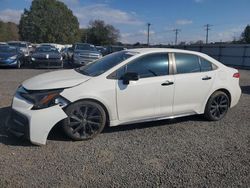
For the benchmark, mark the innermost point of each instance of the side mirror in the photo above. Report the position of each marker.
(129, 76)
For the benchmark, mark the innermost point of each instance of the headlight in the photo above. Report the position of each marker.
(45, 99)
(13, 57)
(33, 59)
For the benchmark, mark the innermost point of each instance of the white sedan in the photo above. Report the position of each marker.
(126, 87)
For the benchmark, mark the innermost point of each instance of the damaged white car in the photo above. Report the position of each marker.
(126, 87)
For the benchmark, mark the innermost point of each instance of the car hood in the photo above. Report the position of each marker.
(55, 80)
(7, 55)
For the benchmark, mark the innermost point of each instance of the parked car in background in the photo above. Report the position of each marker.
(59, 47)
(24, 47)
(102, 50)
(67, 53)
(125, 87)
(46, 56)
(112, 49)
(46, 45)
(3, 43)
(84, 53)
(10, 56)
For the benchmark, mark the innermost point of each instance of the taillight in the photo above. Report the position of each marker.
(236, 75)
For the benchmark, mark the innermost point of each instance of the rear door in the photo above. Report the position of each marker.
(193, 80)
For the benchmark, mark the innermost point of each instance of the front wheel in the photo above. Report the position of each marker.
(85, 120)
(217, 106)
(18, 64)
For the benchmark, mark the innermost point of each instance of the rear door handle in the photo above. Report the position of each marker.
(207, 78)
(167, 83)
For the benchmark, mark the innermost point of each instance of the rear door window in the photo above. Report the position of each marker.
(187, 63)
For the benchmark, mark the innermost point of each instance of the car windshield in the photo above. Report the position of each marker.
(85, 47)
(17, 44)
(7, 49)
(104, 64)
(46, 49)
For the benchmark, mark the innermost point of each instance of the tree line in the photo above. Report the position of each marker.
(51, 21)
(8, 31)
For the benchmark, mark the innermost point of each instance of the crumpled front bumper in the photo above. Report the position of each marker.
(33, 124)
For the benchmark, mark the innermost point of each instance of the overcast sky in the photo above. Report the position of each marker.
(228, 17)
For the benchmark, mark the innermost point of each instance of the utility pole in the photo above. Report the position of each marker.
(207, 28)
(176, 35)
(148, 32)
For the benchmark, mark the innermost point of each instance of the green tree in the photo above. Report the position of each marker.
(100, 33)
(49, 21)
(8, 31)
(246, 34)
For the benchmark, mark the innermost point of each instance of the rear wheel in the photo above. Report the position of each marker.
(217, 106)
(85, 120)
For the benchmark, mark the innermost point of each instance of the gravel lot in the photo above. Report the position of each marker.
(185, 152)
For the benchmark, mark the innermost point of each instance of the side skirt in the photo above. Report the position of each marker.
(117, 122)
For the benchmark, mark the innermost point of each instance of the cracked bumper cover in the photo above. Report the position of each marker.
(38, 123)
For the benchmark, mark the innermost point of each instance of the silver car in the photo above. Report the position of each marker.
(84, 54)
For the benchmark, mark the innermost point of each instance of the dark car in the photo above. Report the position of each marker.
(46, 56)
(10, 56)
(84, 53)
(67, 53)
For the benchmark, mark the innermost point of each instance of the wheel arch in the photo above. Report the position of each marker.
(224, 90)
(227, 92)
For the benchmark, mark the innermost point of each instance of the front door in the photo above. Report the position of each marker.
(149, 97)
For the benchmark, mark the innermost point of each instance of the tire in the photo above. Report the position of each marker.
(86, 119)
(18, 65)
(217, 106)
(62, 65)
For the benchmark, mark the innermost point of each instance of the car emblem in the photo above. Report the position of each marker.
(47, 56)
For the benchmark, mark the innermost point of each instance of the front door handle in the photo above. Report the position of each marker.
(167, 83)
(207, 78)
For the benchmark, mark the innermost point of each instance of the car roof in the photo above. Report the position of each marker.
(150, 50)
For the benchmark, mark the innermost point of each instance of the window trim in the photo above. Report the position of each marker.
(113, 75)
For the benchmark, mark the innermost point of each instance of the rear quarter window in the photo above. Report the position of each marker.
(206, 65)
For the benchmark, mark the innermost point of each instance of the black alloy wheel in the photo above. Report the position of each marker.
(85, 120)
(217, 106)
